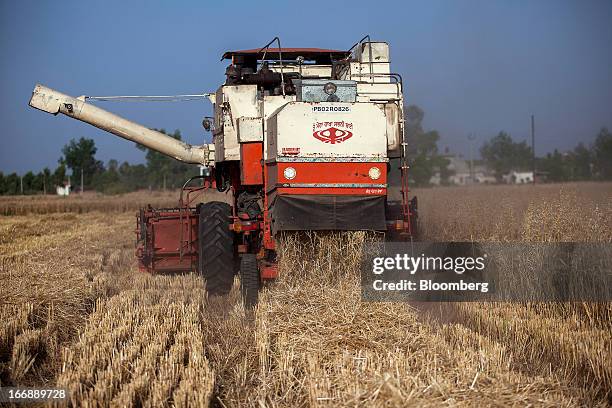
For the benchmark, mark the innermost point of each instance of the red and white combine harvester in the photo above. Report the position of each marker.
(302, 137)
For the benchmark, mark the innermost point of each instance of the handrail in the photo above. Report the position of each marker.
(369, 50)
(185, 207)
(359, 42)
(280, 59)
(397, 77)
(184, 188)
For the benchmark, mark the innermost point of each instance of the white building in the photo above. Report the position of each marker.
(518, 177)
(63, 190)
(461, 175)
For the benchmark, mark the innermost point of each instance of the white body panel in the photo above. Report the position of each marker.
(271, 105)
(232, 102)
(366, 72)
(287, 127)
(379, 92)
(291, 132)
(393, 118)
(379, 50)
(250, 130)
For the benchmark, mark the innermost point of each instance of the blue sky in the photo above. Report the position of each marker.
(473, 66)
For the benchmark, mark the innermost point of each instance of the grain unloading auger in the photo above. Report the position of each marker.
(303, 138)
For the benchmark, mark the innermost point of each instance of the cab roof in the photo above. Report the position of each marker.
(320, 55)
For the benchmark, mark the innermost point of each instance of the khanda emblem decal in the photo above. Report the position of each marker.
(332, 132)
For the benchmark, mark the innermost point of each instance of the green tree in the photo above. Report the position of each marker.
(47, 180)
(582, 163)
(11, 184)
(59, 175)
(134, 177)
(165, 171)
(80, 156)
(502, 154)
(29, 183)
(556, 166)
(38, 183)
(109, 181)
(422, 149)
(602, 152)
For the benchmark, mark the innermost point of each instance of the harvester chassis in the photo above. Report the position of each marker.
(217, 241)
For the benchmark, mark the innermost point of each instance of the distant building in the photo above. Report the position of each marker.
(460, 174)
(518, 177)
(64, 189)
(483, 176)
(459, 170)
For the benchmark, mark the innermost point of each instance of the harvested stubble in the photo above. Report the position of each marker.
(142, 347)
(311, 341)
(571, 341)
(579, 352)
(317, 344)
(52, 268)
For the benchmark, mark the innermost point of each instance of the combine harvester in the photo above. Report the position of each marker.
(302, 137)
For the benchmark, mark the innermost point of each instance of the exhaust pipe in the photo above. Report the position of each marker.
(54, 102)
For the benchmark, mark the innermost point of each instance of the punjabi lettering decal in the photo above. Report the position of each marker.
(332, 132)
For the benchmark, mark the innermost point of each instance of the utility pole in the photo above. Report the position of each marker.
(21, 183)
(82, 180)
(533, 148)
(471, 138)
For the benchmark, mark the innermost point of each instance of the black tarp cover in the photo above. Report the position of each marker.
(328, 212)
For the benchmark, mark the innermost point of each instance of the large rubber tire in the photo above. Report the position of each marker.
(249, 280)
(216, 247)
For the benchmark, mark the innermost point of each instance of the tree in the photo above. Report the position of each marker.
(602, 152)
(80, 156)
(134, 177)
(59, 175)
(12, 184)
(422, 149)
(582, 161)
(47, 182)
(503, 155)
(29, 183)
(109, 181)
(164, 171)
(556, 166)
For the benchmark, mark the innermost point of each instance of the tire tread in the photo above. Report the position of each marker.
(216, 245)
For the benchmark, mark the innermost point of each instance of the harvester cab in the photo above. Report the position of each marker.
(303, 138)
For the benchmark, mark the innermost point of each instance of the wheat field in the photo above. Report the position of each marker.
(75, 313)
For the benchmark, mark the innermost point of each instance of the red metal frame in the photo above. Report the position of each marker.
(161, 247)
(167, 238)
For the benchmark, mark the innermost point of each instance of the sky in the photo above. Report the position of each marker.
(474, 67)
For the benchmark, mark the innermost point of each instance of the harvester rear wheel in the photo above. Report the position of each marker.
(216, 247)
(249, 280)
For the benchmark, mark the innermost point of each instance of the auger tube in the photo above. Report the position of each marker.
(54, 102)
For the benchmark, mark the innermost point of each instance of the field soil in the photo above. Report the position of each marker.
(76, 313)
